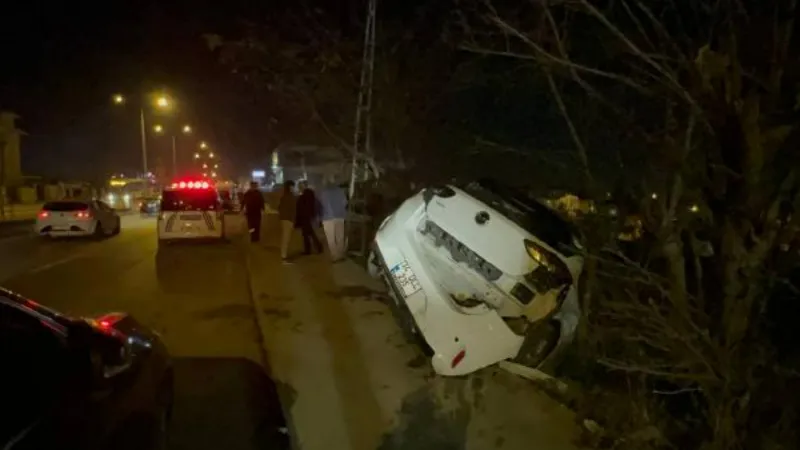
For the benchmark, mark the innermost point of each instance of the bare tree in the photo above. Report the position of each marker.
(708, 105)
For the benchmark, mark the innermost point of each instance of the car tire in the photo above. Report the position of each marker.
(541, 339)
(117, 227)
(98, 231)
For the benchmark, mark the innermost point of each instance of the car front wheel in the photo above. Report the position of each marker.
(540, 341)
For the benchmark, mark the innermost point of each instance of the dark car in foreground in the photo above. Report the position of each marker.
(80, 383)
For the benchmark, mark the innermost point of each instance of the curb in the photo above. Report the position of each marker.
(255, 302)
(555, 388)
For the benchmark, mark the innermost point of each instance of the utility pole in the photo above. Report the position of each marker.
(363, 160)
(362, 137)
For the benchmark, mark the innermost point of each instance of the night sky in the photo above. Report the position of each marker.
(63, 61)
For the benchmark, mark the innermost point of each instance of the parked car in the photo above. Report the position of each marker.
(81, 383)
(481, 273)
(71, 218)
(149, 206)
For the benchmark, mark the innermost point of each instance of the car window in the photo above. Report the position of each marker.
(189, 200)
(32, 356)
(66, 206)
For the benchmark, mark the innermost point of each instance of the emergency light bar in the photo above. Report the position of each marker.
(191, 185)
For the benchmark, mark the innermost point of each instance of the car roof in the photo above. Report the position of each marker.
(33, 308)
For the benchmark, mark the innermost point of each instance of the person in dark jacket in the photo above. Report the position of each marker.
(307, 217)
(287, 213)
(253, 207)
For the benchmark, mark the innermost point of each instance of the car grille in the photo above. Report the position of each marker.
(460, 252)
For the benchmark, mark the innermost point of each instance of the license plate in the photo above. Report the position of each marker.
(405, 279)
(191, 217)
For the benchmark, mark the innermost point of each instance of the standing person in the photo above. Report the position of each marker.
(334, 211)
(287, 211)
(253, 207)
(306, 218)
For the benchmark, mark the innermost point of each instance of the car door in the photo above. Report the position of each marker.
(33, 346)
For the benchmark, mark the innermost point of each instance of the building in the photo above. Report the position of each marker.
(10, 159)
(309, 162)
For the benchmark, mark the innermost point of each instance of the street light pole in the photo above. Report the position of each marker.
(144, 140)
(174, 158)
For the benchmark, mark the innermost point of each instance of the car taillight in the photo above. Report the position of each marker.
(44, 214)
(83, 215)
(458, 358)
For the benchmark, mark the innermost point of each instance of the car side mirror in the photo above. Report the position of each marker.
(102, 353)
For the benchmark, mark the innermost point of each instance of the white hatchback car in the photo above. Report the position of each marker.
(69, 218)
(479, 274)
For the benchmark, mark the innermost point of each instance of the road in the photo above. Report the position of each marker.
(229, 313)
(197, 297)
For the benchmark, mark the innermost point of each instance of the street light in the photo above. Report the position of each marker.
(210, 155)
(205, 166)
(197, 156)
(216, 166)
(159, 101)
(187, 129)
(213, 174)
(203, 145)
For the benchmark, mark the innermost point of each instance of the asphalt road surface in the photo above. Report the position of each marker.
(346, 377)
(196, 296)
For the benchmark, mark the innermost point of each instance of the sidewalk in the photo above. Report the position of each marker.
(353, 381)
(17, 212)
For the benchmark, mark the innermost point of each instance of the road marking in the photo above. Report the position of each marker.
(55, 263)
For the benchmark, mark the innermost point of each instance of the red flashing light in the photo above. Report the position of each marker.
(191, 185)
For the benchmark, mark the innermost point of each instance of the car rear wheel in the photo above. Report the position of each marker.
(98, 230)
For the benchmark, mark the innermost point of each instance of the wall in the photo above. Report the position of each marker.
(10, 166)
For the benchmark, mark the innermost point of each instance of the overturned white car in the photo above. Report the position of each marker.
(479, 274)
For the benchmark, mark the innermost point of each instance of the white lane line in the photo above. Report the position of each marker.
(55, 263)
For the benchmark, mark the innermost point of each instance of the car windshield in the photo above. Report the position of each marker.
(189, 200)
(66, 206)
(533, 216)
